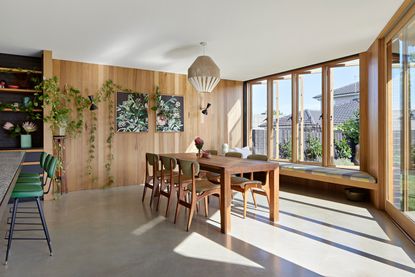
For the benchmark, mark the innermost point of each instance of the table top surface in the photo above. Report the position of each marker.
(233, 165)
(9, 165)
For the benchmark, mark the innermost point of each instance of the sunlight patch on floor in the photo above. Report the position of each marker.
(200, 247)
(148, 226)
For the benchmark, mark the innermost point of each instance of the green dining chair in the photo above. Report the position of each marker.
(28, 190)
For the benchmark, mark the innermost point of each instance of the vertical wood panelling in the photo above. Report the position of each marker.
(223, 124)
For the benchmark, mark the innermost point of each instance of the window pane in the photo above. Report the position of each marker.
(259, 117)
(345, 90)
(282, 118)
(401, 66)
(309, 116)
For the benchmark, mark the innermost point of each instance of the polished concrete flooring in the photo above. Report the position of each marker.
(111, 233)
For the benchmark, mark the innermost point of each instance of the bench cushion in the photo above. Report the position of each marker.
(347, 174)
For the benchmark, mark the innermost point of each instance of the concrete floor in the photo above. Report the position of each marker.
(111, 233)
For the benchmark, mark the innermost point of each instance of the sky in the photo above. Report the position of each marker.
(312, 87)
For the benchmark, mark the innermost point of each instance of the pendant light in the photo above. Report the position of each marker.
(204, 74)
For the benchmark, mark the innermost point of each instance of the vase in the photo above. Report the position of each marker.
(26, 141)
(225, 148)
(59, 131)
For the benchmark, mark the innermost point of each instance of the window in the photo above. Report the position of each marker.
(310, 116)
(401, 77)
(344, 107)
(324, 126)
(259, 117)
(282, 118)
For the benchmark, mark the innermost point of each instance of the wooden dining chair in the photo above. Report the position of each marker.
(262, 177)
(198, 188)
(215, 177)
(168, 179)
(151, 180)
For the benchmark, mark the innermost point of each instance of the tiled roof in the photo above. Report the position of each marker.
(352, 88)
(342, 113)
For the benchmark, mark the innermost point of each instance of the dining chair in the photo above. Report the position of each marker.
(262, 177)
(198, 188)
(215, 177)
(168, 179)
(151, 180)
(212, 152)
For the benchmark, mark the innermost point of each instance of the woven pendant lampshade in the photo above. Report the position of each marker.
(204, 74)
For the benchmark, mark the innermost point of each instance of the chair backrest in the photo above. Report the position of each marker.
(213, 152)
(42, 161)
(152, 159)
(189, 168)
(258, 157)
(51, 167)
(259, 176)
(168, 163)
(233, 154)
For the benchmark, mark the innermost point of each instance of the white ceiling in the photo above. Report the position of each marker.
(246, 38)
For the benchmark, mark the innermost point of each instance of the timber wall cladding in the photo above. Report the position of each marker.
(223, 123)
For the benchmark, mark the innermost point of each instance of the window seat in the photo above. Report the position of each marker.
(346, 177)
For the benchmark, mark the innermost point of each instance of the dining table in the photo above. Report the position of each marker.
(226, 167)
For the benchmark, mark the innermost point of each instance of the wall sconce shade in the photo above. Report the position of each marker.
(93, 107)
(205, 110)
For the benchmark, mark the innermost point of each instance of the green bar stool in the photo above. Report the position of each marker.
(42, 161)
(45, 159)
(23, 192)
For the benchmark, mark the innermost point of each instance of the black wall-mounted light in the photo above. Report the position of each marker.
(205, 110)
(93, 107)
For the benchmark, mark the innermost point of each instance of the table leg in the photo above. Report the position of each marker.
(225, 202)
(274, 187)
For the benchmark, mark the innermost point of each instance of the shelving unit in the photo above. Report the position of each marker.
(21, 71)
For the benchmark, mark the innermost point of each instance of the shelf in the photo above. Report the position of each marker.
(23, 150)
(19, 70)
(30, 163)
(19, 90)
(18, 110)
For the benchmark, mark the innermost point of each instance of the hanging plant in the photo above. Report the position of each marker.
(59, 106)
(157, 99)
(91, 146)
(107, 93)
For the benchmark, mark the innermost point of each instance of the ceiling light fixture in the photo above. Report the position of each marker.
(204, 74)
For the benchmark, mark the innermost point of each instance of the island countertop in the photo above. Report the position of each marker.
(9, 168)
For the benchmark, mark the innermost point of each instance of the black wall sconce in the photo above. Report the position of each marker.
(205, 110)
(93, 107)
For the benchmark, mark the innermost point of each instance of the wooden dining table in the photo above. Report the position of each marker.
(226, 167)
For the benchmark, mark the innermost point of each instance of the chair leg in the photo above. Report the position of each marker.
(206, 206)
(153, 191)
(45, 226)
(144, 193)
(179, 196)
(168, 200)
(13, 221)
(253, 197)
(245, 202)
(191, 212)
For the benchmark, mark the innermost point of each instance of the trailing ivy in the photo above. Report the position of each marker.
(106, 93)
(91, 146)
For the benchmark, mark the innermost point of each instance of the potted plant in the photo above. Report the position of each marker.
(199, 145)
(16, 130)
(59, 105)
(26, 139)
